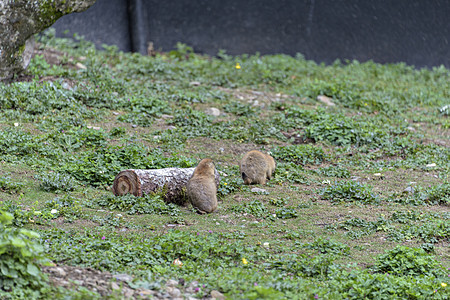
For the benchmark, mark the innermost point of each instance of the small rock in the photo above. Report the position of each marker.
(115, 286)
(171, 282)
(134, 126)
(410, 128)
(431, 165)
(78, 282)
(64, 283)
(355, 178)
(171, 127)
(194, 83)
(93, 127)
(409, 189)
(326, 100)
(115, 113)
(221, 150)
(16, 124)
(123, 277)
(127, 292)
(258, 190)
(175, 293)
(165, 117)
(217, 295)
(145, 292)
(255, 103)
(80, 66)
(60, 272)
(212, 111)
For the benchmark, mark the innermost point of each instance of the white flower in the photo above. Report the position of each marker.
(54, 211)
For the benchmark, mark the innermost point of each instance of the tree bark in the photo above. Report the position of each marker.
(171, 181)
(20, 20)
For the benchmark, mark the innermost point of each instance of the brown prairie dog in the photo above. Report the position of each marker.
(256, 167)
(201, 188)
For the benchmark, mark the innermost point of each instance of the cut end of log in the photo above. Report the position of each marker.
(127, 182)
(171, 182)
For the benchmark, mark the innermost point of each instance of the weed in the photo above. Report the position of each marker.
(9, 186)
(406, 261)
(254, 207)
(54, 182)
(350, 191)
(328, 246)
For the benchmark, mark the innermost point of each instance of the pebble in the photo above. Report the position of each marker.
(175, 293)
(326, 100)
(258, 190)
(115, 286)
(212, 111)
(171, 282)
(60, 271)
(431, 165)
(217, 295)
(123, 277)
(409, 189)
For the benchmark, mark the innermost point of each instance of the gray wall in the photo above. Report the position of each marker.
(413, 31)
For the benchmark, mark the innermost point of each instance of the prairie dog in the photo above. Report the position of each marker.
(256, 167)
(201, 188)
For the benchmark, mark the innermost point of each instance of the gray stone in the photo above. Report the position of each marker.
(217, 295)
(115, 286)
(258, 190)
(60, 272)
(409, 190)
(123, 277)
(20, 20)
(171, 282)
(127, 293)
(326, 100)
(212, 111)
(175, 293)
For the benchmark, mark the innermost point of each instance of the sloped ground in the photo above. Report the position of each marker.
(353, 180)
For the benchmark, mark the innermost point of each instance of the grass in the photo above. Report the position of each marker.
(336, 204)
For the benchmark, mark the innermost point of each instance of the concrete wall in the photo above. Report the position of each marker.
(413, 31)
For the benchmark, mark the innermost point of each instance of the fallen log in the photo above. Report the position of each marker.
(171, 181)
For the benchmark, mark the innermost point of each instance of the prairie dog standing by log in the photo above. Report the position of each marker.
(256, 167)
(201, 188)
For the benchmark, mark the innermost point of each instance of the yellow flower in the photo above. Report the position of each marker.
(224, 183)
(238, 66)
(443, 284)
(244, 261)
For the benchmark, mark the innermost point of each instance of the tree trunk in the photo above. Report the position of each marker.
(20, 20)
(172, 181)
